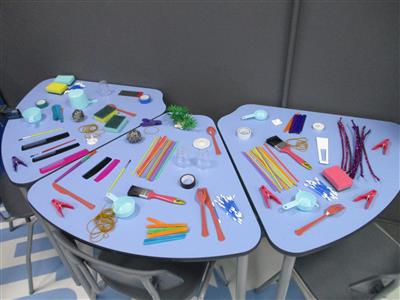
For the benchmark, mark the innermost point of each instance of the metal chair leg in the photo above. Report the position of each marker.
(30, 225)
(206, 280)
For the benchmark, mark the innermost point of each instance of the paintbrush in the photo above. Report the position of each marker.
(282, 146)
(137, 191)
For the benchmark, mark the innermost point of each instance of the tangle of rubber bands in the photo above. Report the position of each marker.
(101, 225)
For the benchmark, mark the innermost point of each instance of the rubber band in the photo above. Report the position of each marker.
(151, 130)
(300, 143)
(103, 223)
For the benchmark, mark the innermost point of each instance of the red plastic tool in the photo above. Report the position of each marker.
(59, 205)
(267, 195)
(369, 196)
(384, 145)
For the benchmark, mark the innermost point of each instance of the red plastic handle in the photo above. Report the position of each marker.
(162, 197)
(301, 230)
(297, 158)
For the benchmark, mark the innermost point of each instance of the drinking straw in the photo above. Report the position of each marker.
(275, 168)
(257, 155)
(283, 165)
(118, 176)
(158, 159)
(145, 154)
(266, 165)
(289, 179)
(152, 154)
(162, 159)
(261, 172)
(167, 159)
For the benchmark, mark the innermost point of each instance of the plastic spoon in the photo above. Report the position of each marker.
(259, 114)
(201, 197)
(212, 131)
(330, 211)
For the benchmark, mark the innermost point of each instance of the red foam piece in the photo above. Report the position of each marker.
(338, 178)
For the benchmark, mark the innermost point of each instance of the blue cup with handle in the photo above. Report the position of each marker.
(32, 115)
(78, 99)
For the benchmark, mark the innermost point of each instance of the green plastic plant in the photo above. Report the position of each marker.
(181, 117)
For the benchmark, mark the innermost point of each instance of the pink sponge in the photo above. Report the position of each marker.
(338, 178)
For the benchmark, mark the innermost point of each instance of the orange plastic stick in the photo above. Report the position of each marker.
(167, 232)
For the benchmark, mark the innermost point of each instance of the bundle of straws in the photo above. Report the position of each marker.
(276, 174)
(160, 232)
(156, 158)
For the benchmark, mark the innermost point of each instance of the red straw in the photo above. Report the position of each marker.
(291, 174)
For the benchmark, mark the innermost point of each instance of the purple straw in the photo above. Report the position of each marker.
(259, 171)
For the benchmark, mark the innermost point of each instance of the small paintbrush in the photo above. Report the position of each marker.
(137, 191)
(282, 146)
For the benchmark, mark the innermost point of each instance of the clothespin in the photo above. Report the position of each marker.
(369, 196)
(384, 145)
(148, 122)
(59, 205)
(160, 224)
(267, 195)
(16, 161)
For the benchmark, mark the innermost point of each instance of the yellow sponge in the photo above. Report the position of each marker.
(56, 88)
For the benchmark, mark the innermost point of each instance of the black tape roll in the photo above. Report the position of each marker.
(188, 181)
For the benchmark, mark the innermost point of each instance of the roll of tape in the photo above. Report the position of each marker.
(201, 143)
(144, 99)
(42, 103)
(243, 133)
(318, 126)
(188, 181)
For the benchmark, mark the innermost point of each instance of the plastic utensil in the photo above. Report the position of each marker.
(64, 191)
(124, 206)
(214, 216)
(212, 131)
(202, 198)
(259, 114)
(330, 211)
(304, 201)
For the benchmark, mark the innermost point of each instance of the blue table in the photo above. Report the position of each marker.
(279, 226)
(16, 129)
(129, 233)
